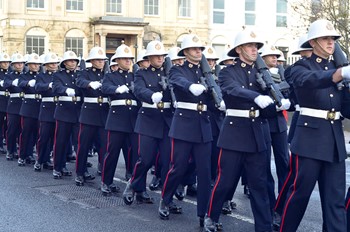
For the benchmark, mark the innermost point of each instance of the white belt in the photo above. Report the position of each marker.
(297, 107)
(70, 99)
(160, 105)
(32, 96)
(243, 113)
(191, 106)
(325, 114)
(16, 94)
(124, 102)
(95, 100)
(48, 99)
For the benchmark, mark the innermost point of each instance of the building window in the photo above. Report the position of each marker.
(219, 11)
(76, 5)
(34, 4)
(114, 6)
(151, 7)
(75, 44)
(35, 44)
(185, 8)
(249, 12)
(281, 13)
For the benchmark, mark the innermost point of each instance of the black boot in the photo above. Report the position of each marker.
(128, 194)
(163, 210)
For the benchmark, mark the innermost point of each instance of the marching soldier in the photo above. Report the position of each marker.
(29, 111)
(141, 60)
(121, 116)
(43, 86)
(190, 130)
(319, 158)
(93, 114)
(225, 59)
(4, 97)
(14, 105)
(152, 124)
(244, 137)
(67, 111)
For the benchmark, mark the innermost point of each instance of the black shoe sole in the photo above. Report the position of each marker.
(57, 177)
(180, 198)
(163, 217)
(127, 202)
(9, 159)
(106, 194)
(37, 169)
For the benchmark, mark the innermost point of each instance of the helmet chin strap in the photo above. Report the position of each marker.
(323, 48)
(248, 56)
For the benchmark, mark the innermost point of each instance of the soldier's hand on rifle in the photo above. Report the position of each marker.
(345, 73)
(15, 82)
(197, 89)
(95, 84)
(70, 92)
(157, 97)
(2, 83)
(31, 83)
(263, 101)
(285, 105)
(222, 106)
(50, 85)
(122, 89)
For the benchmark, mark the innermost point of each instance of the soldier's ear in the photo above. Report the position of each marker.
(238, 49)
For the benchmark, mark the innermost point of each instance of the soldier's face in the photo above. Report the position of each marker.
(248, 52)
(34, 67)
(270, 61)
(70, 64)
(228, 62)
(179, 61)
(4, 65)
(144, 64)
(124, 63)
(98, 63)
(306, 53)
(211, 63)
(193, 55)
(114, 67)
(51, 66)
(156, 61)
(323, 46)
(18, 66)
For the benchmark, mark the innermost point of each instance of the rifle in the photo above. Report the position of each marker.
(217, 70)
(135, 68)
(340, 61)
(209, 82)
(164, 80)
(283, 86)
(106, 68)
(264, 75)
(82, 63)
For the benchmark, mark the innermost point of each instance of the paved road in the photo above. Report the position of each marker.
(31, 201)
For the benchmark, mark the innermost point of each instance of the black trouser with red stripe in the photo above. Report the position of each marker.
(28, 136)
(87, 134)
(3, 127)
(230, 168)
(148, 150)
(115, 142)
(13, 132)
(331, 181)
(45, 141)
(181, 152)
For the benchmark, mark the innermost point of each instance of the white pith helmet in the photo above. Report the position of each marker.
(96, 53)
(4, 57)
(190, 41)
(281, 57)
(33, 59)
(225, 57)
(17, 58)
(69, 55)
(140, 55)
(302, 40)
(51, 58)
(244, 37)
(320, 28)
(123, 51)
(269, 50)
(210, 53)
(154, 48)
(172, 54)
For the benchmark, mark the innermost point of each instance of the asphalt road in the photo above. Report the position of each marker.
(32, 201)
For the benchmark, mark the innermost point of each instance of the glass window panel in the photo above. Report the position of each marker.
(219, 4)
(250, 5)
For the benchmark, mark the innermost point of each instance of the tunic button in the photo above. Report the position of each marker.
(113, 111)
(231, 123)
(326, 68)
(252, 108)
(142, 112)
(180, 113)
(305, 124)
(331, 95)
(248, 72)
(250, 84)
(243, 87)
(332, 122)
(253, 120)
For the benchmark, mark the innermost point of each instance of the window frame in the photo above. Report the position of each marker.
(77, 1)
(250, 12)
(111, 3)
(281, 14)
(184, 6)
(78, 51)
(220, 11)
(32, 2)
(148, 7)
(38, 49)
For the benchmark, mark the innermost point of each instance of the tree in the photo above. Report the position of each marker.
(336, 11)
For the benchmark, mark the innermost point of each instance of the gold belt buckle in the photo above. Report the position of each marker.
(100, 99)
(128, 102)
(55, 98)
(200, 107)
(21, 94)
(37, 96)
(7, 93)
(252, 114)
(160, 105)
(74, 98)
(330, 115)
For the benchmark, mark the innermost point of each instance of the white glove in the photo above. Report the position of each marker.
(263, 101)
(2, 83)
(15, 82)
(197, 89)
(31, 83)
(70, 92)
(50, 85)
(157, 97)
(122, 89)
(95, 84)
(285, 105)
(222, 106)
(345, 73)
(273, 70)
